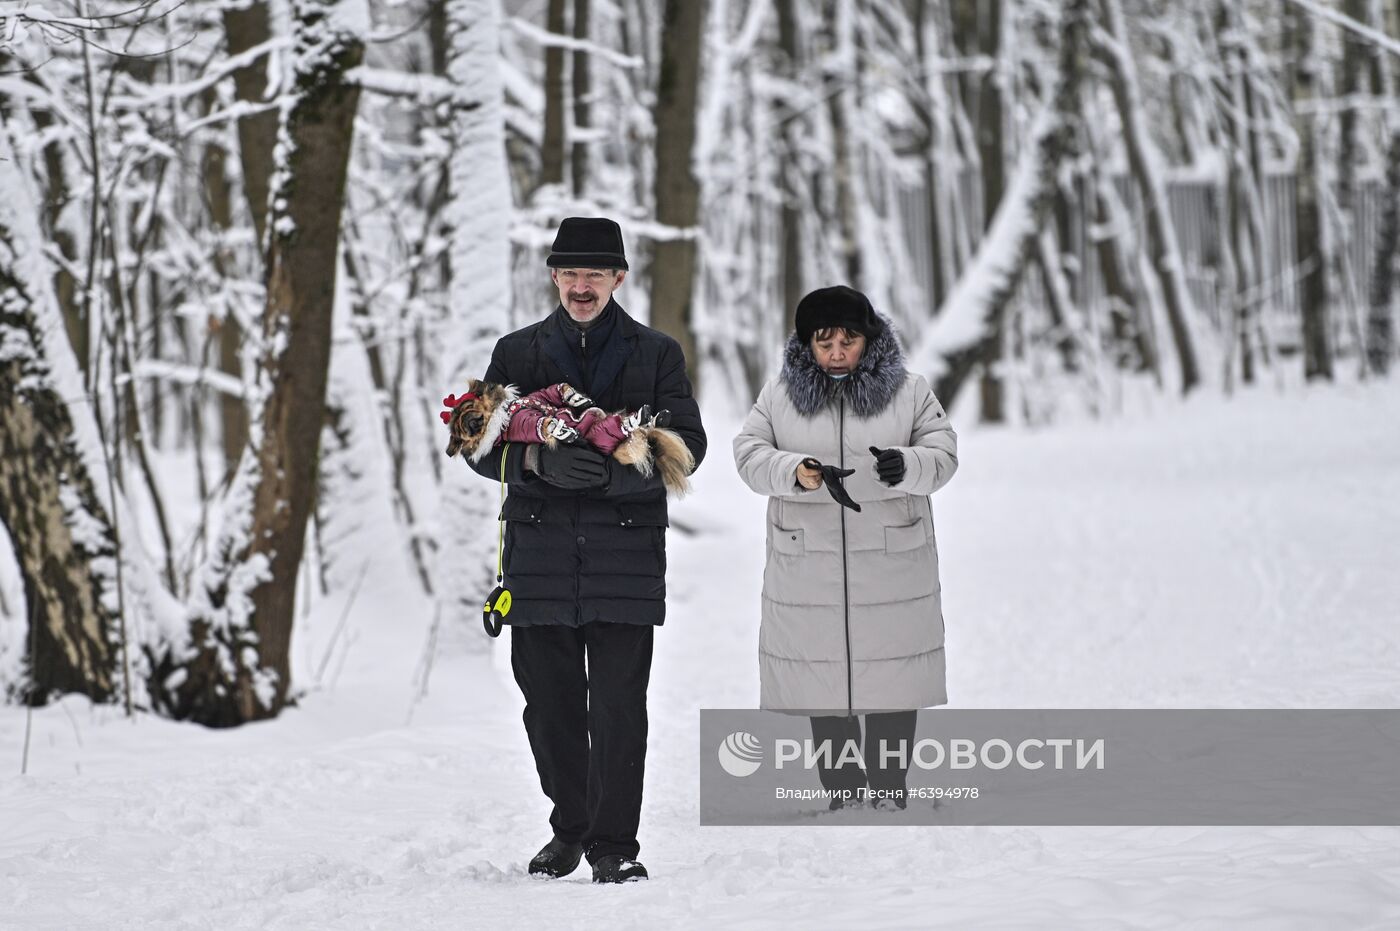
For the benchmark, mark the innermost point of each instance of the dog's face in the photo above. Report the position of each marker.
(469, 419)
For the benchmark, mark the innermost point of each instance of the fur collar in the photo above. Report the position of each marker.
(868, 389)
(496, 425)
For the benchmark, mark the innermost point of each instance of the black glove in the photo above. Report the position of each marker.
(889, 463)
(831, 478)
(573, 467)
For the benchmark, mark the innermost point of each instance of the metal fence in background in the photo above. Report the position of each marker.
(1196, 208)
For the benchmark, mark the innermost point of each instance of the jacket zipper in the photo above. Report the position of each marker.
(845, 572)
(578, 528)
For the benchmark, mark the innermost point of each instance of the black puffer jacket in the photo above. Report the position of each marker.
(572, 557)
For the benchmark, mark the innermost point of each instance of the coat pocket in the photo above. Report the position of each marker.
(789, 541)
(908, 537)
(524, 509)
(642, 514)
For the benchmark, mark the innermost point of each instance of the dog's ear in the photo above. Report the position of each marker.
(474, 386)
(454, 446)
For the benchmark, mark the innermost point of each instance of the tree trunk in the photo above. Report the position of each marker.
(478, 211)
(790, 68)
(55, 200)
(64, 541)
(1145, 161)
(677, 188)
(838, 77)
(552, 144)
(581, 101)
(980, 25)
(1380, 336)
(1380, 318)
(233, 414)
(1242, 239)
(1311, 255)
(1356, 53)
(926, 50)
(1132, 335)
(238, 668)
(245, 26)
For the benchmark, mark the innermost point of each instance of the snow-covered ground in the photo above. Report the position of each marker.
(1202, 554)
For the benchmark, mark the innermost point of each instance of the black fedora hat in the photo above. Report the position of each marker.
(587, 242)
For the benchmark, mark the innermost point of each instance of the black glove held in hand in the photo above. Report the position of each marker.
(889, 463)
(573, 467)
(831, 478)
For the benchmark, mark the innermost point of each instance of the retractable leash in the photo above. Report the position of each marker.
(498, 602)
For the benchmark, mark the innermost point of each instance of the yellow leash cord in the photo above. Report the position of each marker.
(498, 602)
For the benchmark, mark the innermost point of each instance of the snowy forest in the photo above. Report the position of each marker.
(246, 247)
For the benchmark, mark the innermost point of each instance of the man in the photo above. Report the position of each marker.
(585, 554)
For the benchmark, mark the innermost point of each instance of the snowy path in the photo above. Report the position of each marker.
(1235, 554)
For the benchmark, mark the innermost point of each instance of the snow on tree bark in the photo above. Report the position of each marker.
(479, 215)
(55, 492)
(246, 26)
(234, 665)
(1111, 45)
(1311, 255)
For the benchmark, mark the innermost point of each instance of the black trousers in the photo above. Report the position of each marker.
(587, 724)
(883, 775)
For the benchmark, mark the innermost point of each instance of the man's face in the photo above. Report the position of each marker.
(584, 292)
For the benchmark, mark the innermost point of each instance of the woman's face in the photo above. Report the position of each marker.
(837, 351)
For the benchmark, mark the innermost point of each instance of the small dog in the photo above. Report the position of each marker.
(489, 414)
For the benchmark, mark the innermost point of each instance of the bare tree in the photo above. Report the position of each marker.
(1111, 46)
(236, 665)
(1311, 256)
(66, 543)
(976, 306)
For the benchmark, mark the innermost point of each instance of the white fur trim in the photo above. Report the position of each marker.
(496, 425)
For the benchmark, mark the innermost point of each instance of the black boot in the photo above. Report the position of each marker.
(556, 858)
(615, 868)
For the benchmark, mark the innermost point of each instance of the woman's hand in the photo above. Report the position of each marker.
(889, 465)
(809, 478)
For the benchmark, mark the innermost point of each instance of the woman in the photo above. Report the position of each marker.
(852, 619)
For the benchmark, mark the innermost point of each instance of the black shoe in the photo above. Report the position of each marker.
(887, 803)
(615, 868)
(557, 858)
(662, 419)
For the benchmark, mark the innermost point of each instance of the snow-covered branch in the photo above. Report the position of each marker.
(550, 39)
(427, 89)
(1346, 22)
